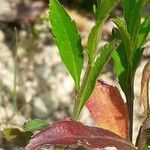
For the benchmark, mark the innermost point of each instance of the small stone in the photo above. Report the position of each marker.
(86, 118)
(146, 52)
(45, 104)
(8, 10)
(2, 37)
(3, 113)
(19, 120)
(39, 108)
(68, 84)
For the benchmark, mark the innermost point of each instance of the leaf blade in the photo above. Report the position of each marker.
(67, 39)
(35, 125)
(121, 66)
(124, 34)
(75, 133)
(136, 18)
(127, 8)
(136, 59)
(104, 7)
(143, 33)
(93, 40)
(99, 64)
(108, 109)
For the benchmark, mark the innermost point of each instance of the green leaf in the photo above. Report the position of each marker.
(104, 7)
(127, 9)
(143, 33)
(67, 39)
(98, 67)
(136, 18)
(94, 10)
(116, 34)
(93, 40)
(121, 65)
(124, 34)
(136, 59)
(35, 125)
(16, 136)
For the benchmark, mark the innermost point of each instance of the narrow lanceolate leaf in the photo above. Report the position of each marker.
(136, 18)
(116, 34)
(93, 40)
(137, 58)
(35, 125)
(143, 33)
(108, 109)
(104, 7)
(145, 87)
(67, 39)
(127, 9)
(121, 66)
(124, 34)
(100, 63)
(71, 133)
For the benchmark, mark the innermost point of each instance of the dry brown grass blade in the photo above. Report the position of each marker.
(145, 87)
(144, 134)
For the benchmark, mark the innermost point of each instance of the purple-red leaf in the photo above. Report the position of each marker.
(71, 133)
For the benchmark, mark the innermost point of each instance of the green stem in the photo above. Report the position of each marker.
(80, 93)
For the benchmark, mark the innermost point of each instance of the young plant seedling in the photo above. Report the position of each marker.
(67, 38)
(126, 49)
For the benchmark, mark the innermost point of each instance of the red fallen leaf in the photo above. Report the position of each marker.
(72, 133)
(108, 109)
